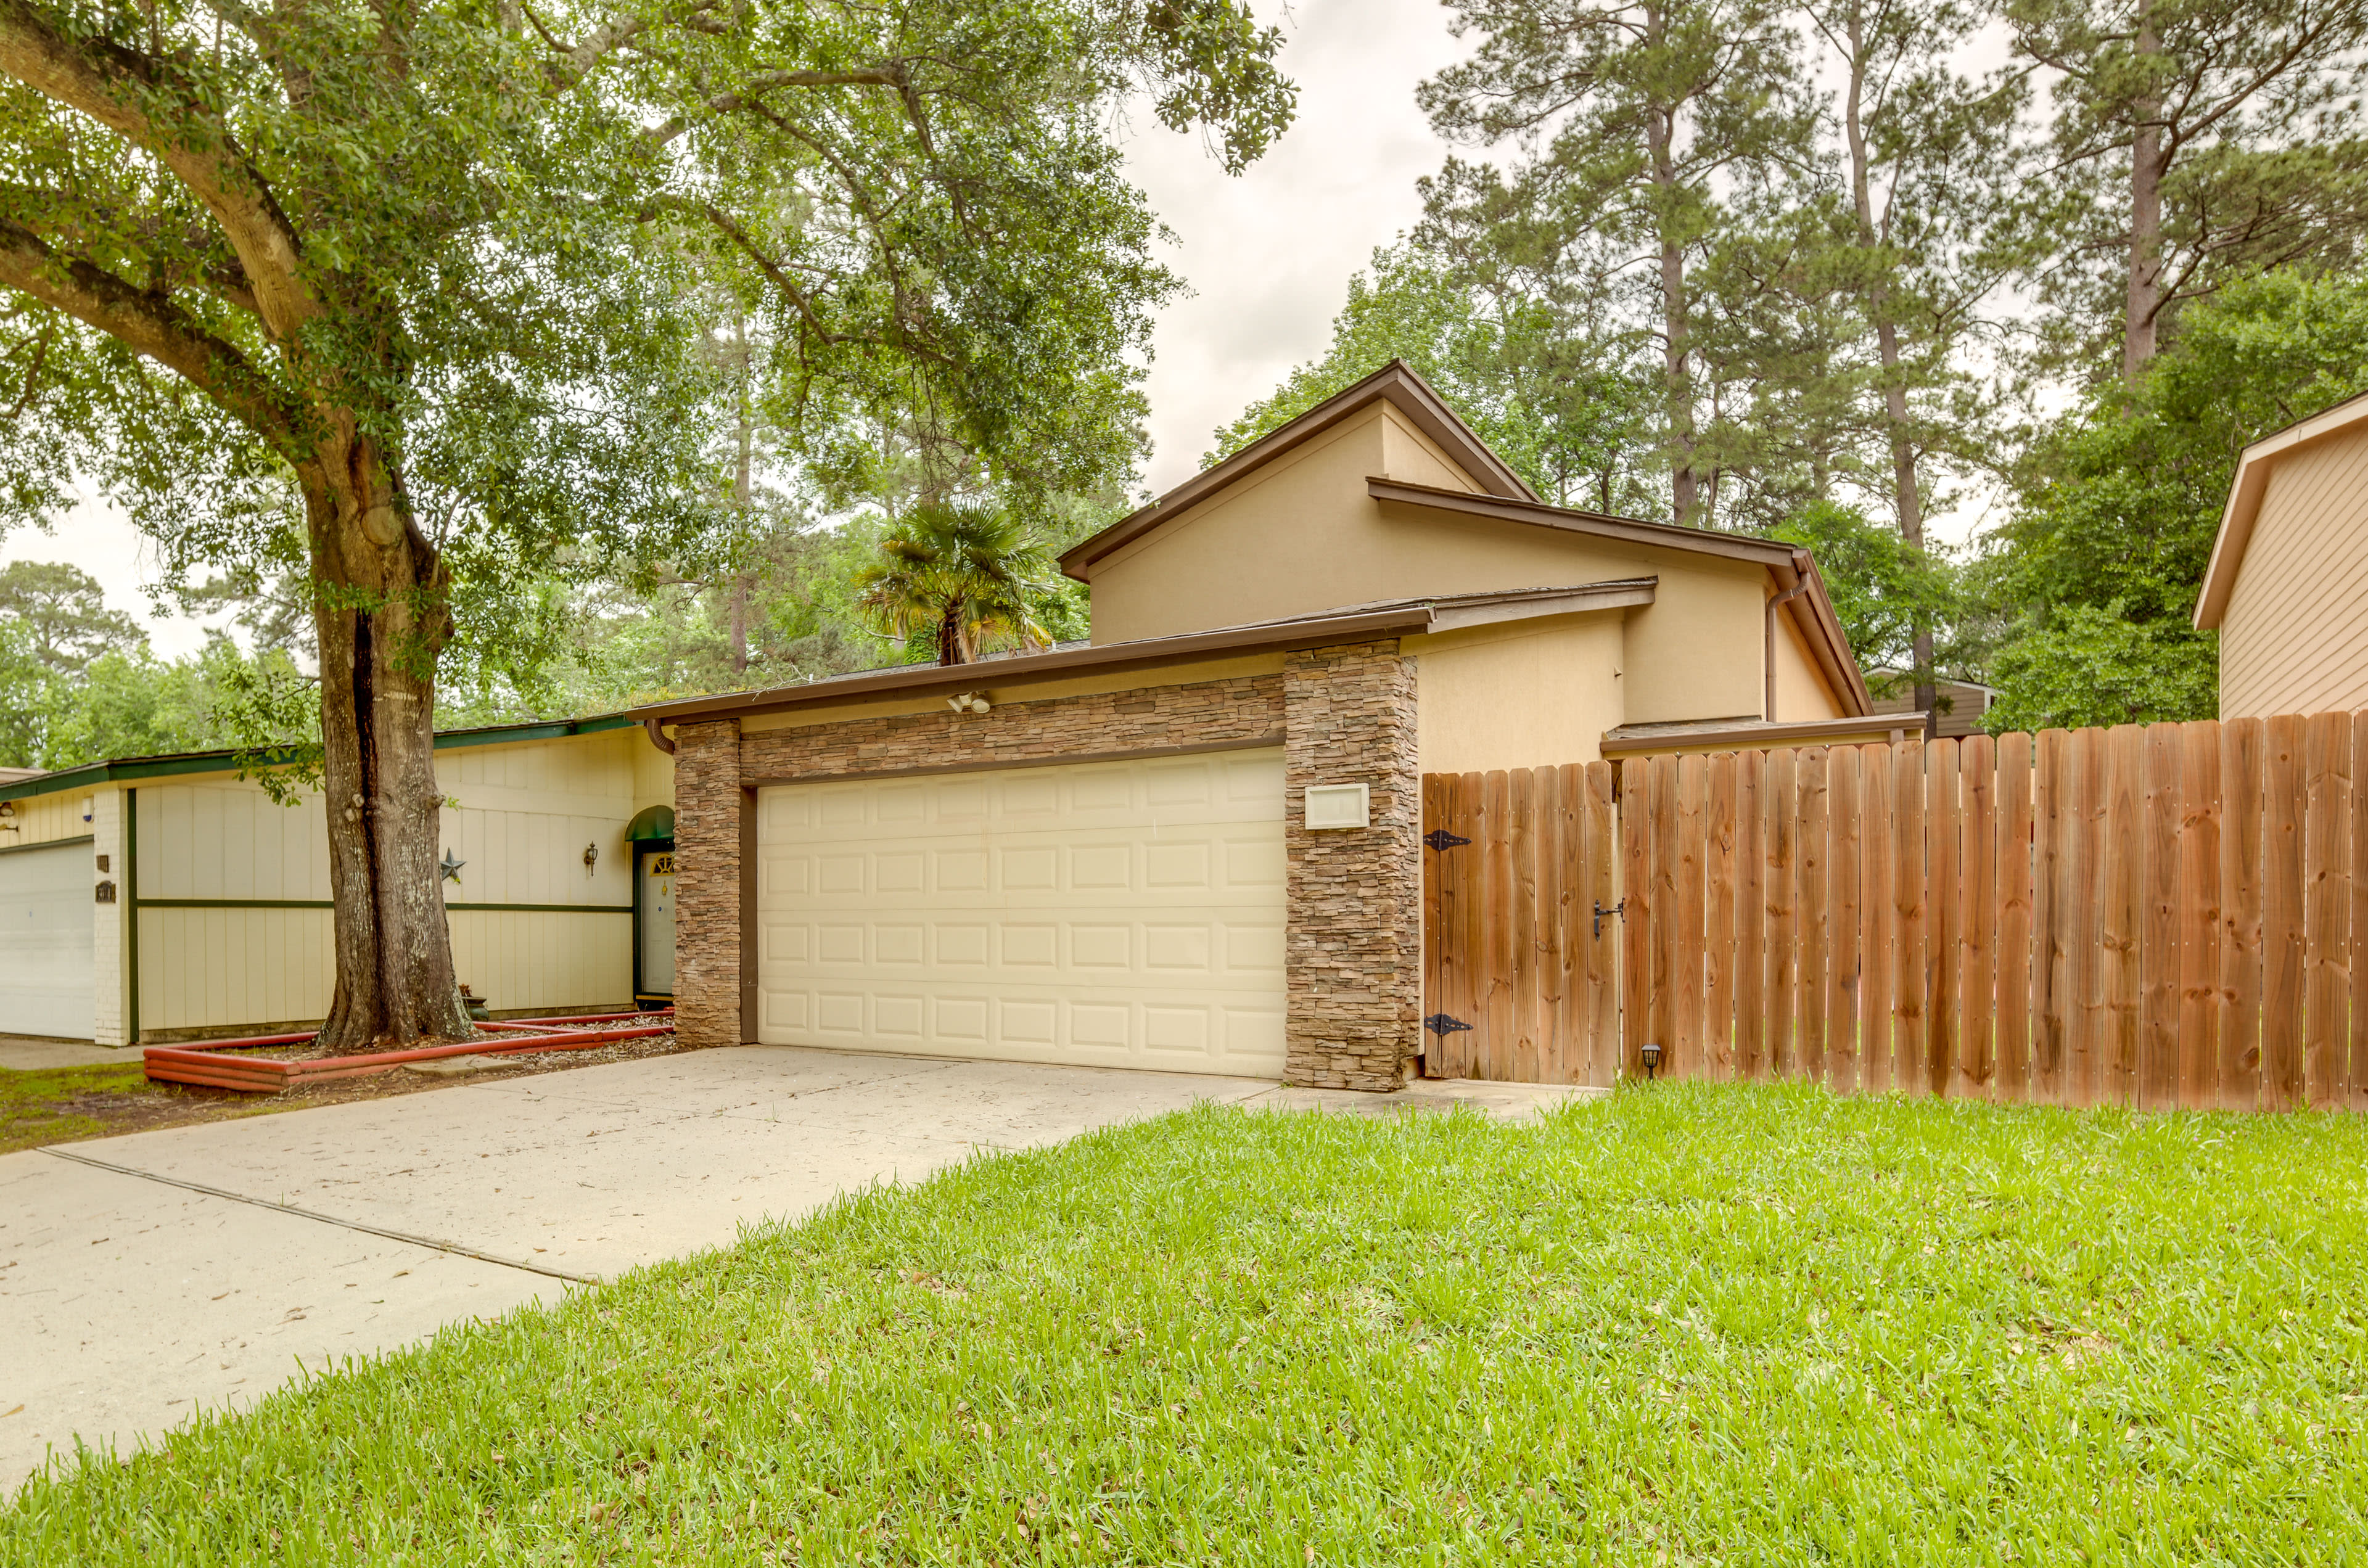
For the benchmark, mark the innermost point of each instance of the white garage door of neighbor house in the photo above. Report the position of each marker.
(46, 926)
(1111, 913)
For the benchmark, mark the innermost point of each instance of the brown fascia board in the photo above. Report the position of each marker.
(1813, 611)
(1317, 632)
(1394, 383)
(1749, 734)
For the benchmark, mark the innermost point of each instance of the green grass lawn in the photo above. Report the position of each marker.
(1688, 1325)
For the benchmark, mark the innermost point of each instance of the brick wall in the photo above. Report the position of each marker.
(707, 885)
(1248, 708)
(1354, 956)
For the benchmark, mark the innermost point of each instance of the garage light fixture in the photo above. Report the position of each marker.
(591, 857)
(968, 702)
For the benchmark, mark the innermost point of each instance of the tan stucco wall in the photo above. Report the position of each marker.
(1532, 693)
(1304, 537)
(1802, 692)
(2295, 638)
(1294, 536)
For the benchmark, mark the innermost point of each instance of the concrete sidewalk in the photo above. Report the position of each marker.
(146, 1276)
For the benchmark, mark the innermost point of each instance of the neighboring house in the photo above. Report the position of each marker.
(1193, 844)
(165, 898)
(1960, 705)
(2287, 588)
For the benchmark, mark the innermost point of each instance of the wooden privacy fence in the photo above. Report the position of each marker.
(2174, 915)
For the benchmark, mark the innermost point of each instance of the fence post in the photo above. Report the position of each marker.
(1976, 1062)
(2016, 845)
(1844, 987)
(2199, 923)
(2282, 951)
(2158, 953)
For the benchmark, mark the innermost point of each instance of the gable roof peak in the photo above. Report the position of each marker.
(1396, 383)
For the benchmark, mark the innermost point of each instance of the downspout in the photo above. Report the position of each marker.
(656, 729)
(1768, 656)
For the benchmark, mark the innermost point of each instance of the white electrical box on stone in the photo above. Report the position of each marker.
(1339, 806)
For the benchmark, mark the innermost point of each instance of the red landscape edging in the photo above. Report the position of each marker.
(214, 1067)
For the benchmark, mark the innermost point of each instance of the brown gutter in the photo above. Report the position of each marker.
(921, 680)
(1703, 542)
(656, 729)
(1447, 612)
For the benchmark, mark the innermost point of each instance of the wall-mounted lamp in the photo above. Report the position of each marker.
(591, 857)
(9, 810)
(968, 702)
(86, 808)
(1651, 1052)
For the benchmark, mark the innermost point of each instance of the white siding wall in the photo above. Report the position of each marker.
(526, 812)
(41, 818)
(2294, 639)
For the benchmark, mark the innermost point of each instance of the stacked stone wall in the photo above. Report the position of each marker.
(1353, 958)
(707, 935)
(1248, 708)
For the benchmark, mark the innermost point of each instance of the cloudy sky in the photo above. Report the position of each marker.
(1268, 255)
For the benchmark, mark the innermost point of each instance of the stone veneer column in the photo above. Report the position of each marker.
(707, 864)
(1353, 963)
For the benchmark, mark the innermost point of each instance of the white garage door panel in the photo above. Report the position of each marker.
(1127, 914)
(47, 931)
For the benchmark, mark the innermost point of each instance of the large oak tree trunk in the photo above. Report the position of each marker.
(379, 610)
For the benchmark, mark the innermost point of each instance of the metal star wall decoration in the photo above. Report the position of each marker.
(452, 865)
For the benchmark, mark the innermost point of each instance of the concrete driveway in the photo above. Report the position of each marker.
(147, 1277)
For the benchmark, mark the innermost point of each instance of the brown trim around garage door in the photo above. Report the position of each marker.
(751, 938)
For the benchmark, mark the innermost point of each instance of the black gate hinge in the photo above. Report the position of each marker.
(1620, 909)
(1440, 839)
(1442, 1026)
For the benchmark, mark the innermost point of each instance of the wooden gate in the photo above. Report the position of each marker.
(1522, 937)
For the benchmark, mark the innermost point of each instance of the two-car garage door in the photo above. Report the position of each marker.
(1120, 913)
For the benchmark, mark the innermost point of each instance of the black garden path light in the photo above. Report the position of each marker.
(1651, 1052)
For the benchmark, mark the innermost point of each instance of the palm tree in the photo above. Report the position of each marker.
(962, 573)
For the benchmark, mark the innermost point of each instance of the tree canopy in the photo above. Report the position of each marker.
(416, 298)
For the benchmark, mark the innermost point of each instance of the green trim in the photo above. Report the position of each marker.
(510, 734)
(234, 903)
(46, 844)
(325, 904)
(91, 773)
(652, 824)
(131, 914)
